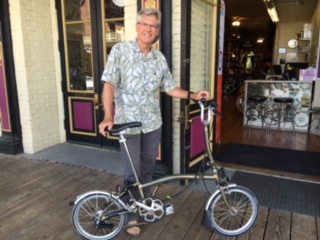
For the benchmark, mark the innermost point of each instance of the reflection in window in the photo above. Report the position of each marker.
(201, 46)
(78, 40)
(113, 24)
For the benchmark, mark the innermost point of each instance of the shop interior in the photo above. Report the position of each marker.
(261, 49)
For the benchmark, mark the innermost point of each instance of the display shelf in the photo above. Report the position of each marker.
(304, 45)
(301, 92)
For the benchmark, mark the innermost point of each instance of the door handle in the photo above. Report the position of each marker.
(96, 101)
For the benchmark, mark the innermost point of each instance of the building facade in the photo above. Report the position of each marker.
(53, 53)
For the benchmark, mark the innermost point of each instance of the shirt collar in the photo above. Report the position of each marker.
(136, 48)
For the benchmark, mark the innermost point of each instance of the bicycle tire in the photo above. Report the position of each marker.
(85, 213)
(252, 114)
(270, 118)
(301, 119)
(239, 219)
(315, 125)
(228, 89)
(240, 103)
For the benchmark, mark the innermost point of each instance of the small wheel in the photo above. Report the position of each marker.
(315, 125)
(252, 114)
(239, 216)
(301, 119)
(240, 103)
(92, 220)
(270, 118)
(228, 89)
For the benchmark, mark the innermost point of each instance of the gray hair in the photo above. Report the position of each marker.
(149, 12)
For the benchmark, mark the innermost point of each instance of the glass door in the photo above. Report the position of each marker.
(89, 29)
(200, 74)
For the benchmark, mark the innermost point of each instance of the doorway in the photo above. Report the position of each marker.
(198, 71)
(88, 30)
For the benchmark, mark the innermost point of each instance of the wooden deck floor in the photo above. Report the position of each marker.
(35, 194)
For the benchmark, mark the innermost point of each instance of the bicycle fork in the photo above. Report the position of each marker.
(208, 212)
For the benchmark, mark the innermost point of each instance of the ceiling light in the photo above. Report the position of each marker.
(271, 10)
(260, 40)
(236, 23)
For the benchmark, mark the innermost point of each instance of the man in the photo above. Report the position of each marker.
(133, 75)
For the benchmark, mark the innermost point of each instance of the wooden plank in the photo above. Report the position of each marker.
(52, 208)
(303, 227)
(32, 188)
(35, 194)
(278, 225)
(61, 217)
(198, 231)
(32, 208)
(258, 229)
(184, 218)
(22, 173)
(152, 231)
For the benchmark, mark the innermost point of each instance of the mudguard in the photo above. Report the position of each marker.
(81, 196)
(207, 212)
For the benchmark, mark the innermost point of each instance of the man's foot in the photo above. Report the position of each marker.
(133, 231)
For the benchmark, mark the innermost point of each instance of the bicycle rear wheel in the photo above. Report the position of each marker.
(301, 119)
(88, 212)
(240, 103)
(239, 216)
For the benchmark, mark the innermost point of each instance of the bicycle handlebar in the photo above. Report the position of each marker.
(212, 110)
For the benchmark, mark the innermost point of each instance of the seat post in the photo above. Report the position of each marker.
(123, 140)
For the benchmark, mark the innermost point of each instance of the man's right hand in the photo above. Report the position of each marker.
(107, 123)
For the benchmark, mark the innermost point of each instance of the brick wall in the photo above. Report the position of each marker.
(176, 53)
(35, 64)
(130, 13)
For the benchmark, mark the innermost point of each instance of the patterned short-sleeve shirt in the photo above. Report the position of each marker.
(137, 80)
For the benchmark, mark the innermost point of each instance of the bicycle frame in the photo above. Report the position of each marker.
(213, 176)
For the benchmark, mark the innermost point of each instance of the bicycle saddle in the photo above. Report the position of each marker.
(283, 100)
(120, 127)
(258, 98)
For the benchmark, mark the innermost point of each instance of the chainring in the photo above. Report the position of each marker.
(155, 211)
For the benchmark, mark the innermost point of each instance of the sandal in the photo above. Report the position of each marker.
(133, 231)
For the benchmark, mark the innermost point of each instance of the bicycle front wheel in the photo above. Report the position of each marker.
(252, 114)
(95, 216)
(301, 119)
(237, 214)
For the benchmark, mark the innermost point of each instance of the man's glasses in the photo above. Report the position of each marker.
(144, 25)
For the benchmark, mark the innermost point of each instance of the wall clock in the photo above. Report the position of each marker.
(292, 43)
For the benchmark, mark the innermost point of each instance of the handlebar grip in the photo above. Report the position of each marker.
(203, 100)
(214, 105)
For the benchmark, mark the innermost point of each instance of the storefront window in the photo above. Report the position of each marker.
(113, 25)
(78, 45)
(78, 38)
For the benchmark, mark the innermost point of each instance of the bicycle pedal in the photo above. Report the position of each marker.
(169, 209)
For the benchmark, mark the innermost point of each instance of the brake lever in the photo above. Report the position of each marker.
(203, 100)
(214, 106)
